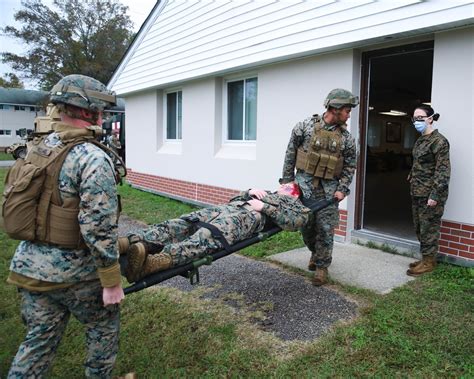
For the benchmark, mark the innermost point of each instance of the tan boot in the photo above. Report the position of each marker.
(150, 247)
(320, 276)
(155, 263)
(311, 265)
(124, 244)
(427, 264)
(130, 375)
(135, 259)
(414, 264)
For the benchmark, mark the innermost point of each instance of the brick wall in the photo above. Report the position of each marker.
(341, 229)
(457, 239)
(193, 191)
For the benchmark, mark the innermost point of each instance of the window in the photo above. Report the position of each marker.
(242, 110)
(5, 132)
(174, 115)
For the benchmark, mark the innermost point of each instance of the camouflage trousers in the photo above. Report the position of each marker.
(185, 241)
(318, 234)
(46, 315)
(427, 222)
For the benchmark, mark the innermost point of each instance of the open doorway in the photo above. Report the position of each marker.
(396, 81)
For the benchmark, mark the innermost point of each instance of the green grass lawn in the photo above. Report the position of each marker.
(5, 157)
(424, 329)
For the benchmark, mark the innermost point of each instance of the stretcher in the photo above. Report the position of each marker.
(191, 270)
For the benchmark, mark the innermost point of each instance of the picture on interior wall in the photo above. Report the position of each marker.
(393, 132)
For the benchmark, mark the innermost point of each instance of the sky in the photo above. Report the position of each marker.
(138, 12)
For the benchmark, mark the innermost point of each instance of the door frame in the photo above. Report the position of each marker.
(364, 115)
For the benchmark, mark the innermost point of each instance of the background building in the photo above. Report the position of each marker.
(213, 90)
(18, 109)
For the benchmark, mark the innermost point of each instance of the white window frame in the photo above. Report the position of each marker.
(165, 116)
(5, 132)
(225, 130)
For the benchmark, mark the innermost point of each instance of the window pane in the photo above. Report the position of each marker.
(180, 114)
(251, 109)
(374, 134)
(235, 109)
(171, 116)
(409, 137)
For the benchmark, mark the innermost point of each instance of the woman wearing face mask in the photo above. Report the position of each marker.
(429, 182)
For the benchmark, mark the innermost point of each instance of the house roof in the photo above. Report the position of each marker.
(19, 96)
(184, 40)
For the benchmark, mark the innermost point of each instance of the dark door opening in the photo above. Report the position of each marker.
(397, 80)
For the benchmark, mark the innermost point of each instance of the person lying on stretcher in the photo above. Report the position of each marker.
(179, 241)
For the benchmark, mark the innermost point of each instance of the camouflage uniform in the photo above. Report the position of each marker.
(114, 144)
(319, 234)
(185, 241)
(55, 282)
(429, 179)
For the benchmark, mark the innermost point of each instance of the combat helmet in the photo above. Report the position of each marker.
(339, 98)
(83, 92)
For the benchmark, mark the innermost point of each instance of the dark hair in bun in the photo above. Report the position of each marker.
(429, 111)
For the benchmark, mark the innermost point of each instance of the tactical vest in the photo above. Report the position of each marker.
(324, 159)
(32, 208)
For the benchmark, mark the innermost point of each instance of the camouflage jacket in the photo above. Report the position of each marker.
(301, 137)
(285, 211)
(86, 173)
(431, 170)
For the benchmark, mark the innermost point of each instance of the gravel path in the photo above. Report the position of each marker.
(294, 309)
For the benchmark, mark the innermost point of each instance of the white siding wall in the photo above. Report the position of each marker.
(191, 39)
(453, 99)
(287, 93)
(141, 118)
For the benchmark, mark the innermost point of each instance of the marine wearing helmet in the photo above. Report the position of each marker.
(79, 91)
(339, 98)
(323, 153)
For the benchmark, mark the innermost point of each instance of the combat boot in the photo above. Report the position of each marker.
(136, 256)
(155, 263)
(150, 247)
(311, 265)
(125, 242)
(320, 276)
(427, 264)
(130, 375)
(414, 264)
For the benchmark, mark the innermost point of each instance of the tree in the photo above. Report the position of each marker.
(79, 37)
(10, 80)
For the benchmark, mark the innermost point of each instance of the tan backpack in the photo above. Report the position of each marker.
(32, 209)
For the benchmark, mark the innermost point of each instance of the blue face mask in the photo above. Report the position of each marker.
(420, 126)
